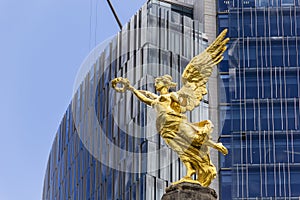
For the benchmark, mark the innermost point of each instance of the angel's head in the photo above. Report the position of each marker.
(164, 83)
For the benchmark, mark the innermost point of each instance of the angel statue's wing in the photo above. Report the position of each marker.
(197, 72)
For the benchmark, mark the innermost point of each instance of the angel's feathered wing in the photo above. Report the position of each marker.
(197, 72)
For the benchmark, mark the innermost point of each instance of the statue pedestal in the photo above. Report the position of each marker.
(189, 191)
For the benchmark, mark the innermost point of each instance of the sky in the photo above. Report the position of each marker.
(42, 45)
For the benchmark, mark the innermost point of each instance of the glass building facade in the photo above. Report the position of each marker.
(106, 146)
(261, 75)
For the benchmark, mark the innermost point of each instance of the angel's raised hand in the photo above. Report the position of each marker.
(124, 82)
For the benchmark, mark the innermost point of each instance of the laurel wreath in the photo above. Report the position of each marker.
(123, 81)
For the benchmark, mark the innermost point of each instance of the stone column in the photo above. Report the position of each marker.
(189, 191)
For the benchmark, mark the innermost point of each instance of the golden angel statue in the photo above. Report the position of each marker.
(189, 140)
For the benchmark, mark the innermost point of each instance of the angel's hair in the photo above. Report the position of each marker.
(167, 80)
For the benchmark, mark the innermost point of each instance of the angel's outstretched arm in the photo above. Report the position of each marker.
(141, 95)
(149, 94)
(144, 96)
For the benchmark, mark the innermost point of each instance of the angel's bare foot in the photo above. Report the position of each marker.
(186, 179)
(220, 147)
(190, 172)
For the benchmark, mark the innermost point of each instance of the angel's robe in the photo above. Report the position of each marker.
(185, 138)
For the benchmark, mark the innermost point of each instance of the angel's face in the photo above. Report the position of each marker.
(159, 85)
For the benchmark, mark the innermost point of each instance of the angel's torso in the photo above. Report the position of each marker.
(168, 112)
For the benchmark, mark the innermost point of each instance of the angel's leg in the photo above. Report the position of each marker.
(175, 145)
(190, 170)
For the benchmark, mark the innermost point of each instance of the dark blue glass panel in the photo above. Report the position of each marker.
(226, 161)
(133, 191)
(128, 179)
(277, 52)
(142, 188)
(260, 24)
(226, 184)
(225, 119)
(223, 5)
(295, 181)
(263, 3)
(273, 23)
(248, 25)
(251, 83)
(222, 22)
(233, 24)
(296, 147)
(242, 3)
(109, 186)
(293, 54)
(287, 24)
(109, 125)
(252, 56)
(287, 2)
(223, 66)
(235, 119)
(88, 177)
(224, 88)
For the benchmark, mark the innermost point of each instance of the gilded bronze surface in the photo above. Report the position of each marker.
(191, 141)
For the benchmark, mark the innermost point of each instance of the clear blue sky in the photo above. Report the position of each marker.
(42, 45)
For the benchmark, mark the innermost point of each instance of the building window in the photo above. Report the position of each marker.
(287, 2)
(182, 10)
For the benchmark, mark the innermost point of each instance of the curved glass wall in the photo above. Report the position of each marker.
(106, 146)
(262, 107)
